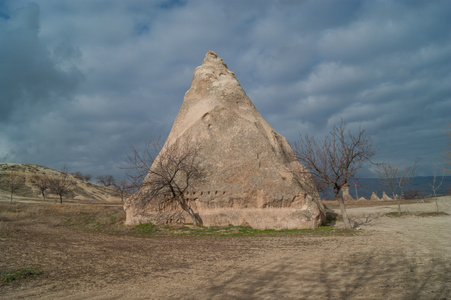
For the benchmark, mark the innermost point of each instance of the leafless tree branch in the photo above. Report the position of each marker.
(61, 184)
(42, 183)
(167, 177)
(396, 178)
(123, 188)
(435, 186)
(336, 159)
(14, 180)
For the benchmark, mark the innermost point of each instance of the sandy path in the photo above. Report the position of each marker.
(390, 258)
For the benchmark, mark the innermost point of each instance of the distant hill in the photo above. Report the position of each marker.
(420, 184)
(82, 191)
(86, 191)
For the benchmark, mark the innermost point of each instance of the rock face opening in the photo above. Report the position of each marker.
(251, 175)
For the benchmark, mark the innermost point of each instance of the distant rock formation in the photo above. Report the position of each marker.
(385, 197)
(374, 197)
(345, 191)
(252, 176)
(362, 199)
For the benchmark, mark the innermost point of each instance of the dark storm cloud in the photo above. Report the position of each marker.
(85, 79)
(30, 78)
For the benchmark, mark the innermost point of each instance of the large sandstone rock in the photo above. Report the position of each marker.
(252, 176)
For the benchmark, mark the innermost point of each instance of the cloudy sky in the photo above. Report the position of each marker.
(82, 80)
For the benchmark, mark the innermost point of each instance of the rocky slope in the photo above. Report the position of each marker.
(82, 190)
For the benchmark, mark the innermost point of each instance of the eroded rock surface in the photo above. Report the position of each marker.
(252, 176)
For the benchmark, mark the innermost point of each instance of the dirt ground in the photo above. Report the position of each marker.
(387, 258)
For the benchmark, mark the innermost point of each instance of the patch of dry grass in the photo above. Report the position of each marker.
(88, 217)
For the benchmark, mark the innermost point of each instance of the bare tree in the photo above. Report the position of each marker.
(395, 178)
(335, 160)
(140, 162)
(14, 181)
(388, 175)
(436, 185)
(61, 184)
(123, 188)
(106, 180)
(167, 177)
(42, 183)
(78, 175)
(81, 176)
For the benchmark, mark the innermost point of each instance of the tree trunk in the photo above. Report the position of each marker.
(344, 213)
(11, 196)
(398, 201)
(436, 202)
(61, 199)
(197, 221)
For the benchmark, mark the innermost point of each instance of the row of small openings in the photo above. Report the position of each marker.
(208, 193)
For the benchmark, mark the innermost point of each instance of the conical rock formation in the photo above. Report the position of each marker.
(374, 197)
(251, 174)
(385, 197)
